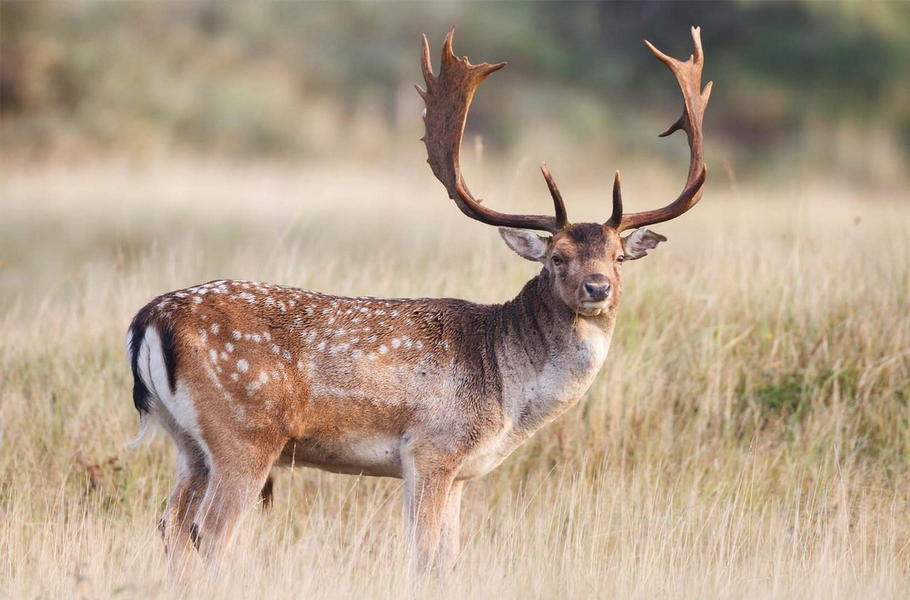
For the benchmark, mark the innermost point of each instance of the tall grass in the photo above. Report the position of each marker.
(747, 438)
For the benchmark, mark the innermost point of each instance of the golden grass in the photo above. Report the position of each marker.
(748, 437)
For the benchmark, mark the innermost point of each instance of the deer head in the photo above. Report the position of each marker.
(583, 261)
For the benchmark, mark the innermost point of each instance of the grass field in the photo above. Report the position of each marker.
(749, 436)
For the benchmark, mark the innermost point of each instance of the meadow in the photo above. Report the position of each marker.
(748, 437)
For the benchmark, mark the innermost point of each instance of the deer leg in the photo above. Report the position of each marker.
(426, 489)
(176, 523)
(449, 545)
(234, 486)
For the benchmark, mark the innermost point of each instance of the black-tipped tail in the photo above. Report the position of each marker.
(142, 396)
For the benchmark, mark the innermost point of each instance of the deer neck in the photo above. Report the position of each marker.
(548, 355)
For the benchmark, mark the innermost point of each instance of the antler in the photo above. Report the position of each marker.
(447, 99)
(689, 76)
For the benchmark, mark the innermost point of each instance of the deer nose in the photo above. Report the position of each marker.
(597, 287)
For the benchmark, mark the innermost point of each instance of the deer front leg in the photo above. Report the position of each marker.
(427, 484)
(449, 545)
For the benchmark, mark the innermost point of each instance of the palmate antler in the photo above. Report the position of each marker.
(447, 99)
(688, 74)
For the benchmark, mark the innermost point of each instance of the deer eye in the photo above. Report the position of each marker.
(557, 260)
(620, 258)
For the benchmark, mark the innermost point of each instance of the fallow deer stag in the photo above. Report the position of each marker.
(245, 376)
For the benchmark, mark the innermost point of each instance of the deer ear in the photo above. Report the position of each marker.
(636, 244)
(528, 245)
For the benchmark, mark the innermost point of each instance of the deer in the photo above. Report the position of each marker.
(245, 377)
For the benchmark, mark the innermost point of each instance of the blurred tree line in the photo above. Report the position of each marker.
(827, 83)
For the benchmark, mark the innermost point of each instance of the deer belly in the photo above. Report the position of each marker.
(353, 454)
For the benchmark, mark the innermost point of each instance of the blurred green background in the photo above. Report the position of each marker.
(819, 89)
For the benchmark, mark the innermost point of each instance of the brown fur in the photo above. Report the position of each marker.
(435, 391)
(244, 376)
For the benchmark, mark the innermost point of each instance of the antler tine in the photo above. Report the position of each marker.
(616, 217)
(562, 217)
(688, 75)
(448, 97)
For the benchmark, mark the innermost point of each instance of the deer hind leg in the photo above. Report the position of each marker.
(238, 475)
(182, 506)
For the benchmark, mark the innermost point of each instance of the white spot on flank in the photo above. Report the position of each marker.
(234, 376)
(263, 377)
(197, 299)
(229, 347)
(396, 343)
(224, 356)
(311, 337)
(286, 355)
(419, 344)
(275, 349)
(383, 349)
(237, 335)
(257, 338)
(357, 354)
(321, 346)
(213, 355)
(243, 365)
(215, 329)
(300, 365)
(267, 336)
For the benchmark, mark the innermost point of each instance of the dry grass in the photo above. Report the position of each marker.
(748, 437)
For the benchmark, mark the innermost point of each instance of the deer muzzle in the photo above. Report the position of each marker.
(595, 288)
